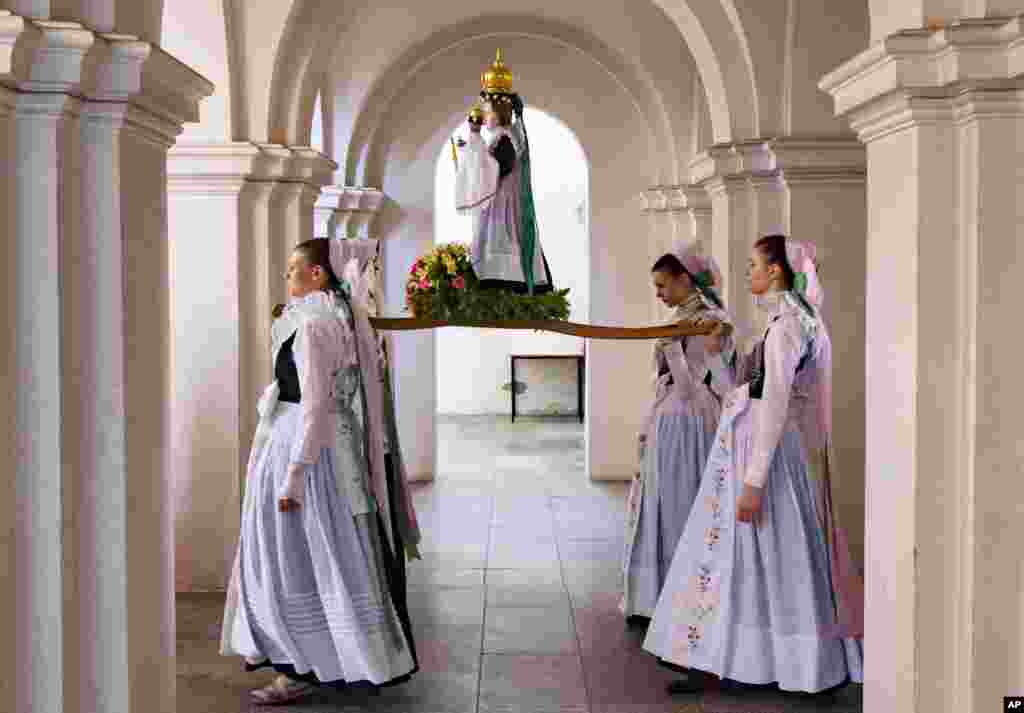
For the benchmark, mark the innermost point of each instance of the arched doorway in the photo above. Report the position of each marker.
(476, 382)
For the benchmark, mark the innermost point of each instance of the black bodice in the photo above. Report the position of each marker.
(286, 374)
(757, 379)
(665, 369)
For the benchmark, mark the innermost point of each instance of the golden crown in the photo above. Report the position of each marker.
(498, 78)
(476, 113)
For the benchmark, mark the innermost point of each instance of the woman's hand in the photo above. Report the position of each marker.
(288, 505)
(290, 499)
(748, 504)
(715, 341)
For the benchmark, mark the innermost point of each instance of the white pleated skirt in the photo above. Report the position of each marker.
(754, 603)
(310, 589)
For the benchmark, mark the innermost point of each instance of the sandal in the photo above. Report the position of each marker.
(281, 690)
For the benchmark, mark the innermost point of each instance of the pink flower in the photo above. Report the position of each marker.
(424, 284)
(459, 282)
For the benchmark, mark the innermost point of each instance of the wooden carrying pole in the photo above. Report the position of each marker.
(588, 331)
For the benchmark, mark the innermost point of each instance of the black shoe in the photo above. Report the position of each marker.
(684, 686)
(695, 682)
(637, 621)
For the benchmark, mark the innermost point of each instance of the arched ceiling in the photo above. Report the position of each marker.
(650, 40)
(360, 107)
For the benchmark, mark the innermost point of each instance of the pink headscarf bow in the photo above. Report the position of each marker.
(703, 269)
(802, 258)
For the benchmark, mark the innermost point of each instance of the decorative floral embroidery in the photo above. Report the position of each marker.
(712, 537)
(693, 636)
(720, 477)
(701, 598)
(702, 581)
(715, 505)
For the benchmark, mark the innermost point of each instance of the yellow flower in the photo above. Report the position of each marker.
(449, 263)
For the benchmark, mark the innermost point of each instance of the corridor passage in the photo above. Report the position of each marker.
(514, 604)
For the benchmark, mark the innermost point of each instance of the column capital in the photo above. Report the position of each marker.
(278, 162)
(110, 115)
(112, 70)
(45, 55)
(170, 89)
(199, 167)
(915, 76)
(655, 199)
(48, 56)
(11, 27)
(351, 207)
(734, 159)
(681, 198)
(718, 185)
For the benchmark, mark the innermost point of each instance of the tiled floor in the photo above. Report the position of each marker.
(514, 604)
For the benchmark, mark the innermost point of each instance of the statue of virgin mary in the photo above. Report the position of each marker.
(493, 185)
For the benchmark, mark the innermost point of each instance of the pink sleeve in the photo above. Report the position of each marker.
(680, 368)
(323, 345)
(782, 350)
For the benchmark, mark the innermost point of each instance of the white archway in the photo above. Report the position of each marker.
(473, 366)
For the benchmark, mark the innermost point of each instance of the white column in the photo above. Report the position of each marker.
(51, 61)
(699, 209)
(826, 204)
(38, 395)
(146, 314)
(324, 220)
(205, 184)
(93, 604)
(229, 243)
(731, 238)
(942, 115)
(682, 223)
(653, 202)
(768, 202)
(8, 442)
(413, 356)
(285, 212)
(260, 278)
(96, 283)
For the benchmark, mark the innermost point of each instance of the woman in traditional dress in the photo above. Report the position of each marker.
(762, 590)
(678, 431)
(360, 258)
(309, 593)
(506, 250)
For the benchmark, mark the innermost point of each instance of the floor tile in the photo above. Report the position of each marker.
(526, 588)
(532, 684)
(422, 577)
(530, 630)
(523, 554)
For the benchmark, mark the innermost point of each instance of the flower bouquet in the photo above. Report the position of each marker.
(436, 279)
(443, 286)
